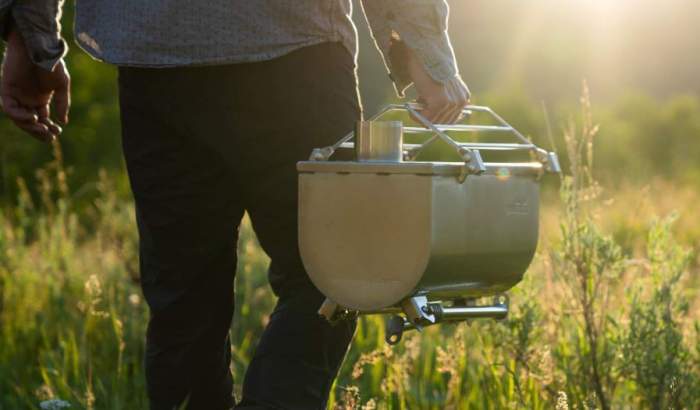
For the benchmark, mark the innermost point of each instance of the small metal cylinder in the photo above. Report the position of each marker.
(379, 141)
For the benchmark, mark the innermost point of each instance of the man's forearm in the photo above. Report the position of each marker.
(38, 21)
(420, 25)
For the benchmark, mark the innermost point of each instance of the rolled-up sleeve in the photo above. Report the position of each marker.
(38, 21)
(420, 25)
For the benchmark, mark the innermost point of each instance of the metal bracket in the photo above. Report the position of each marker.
(549, 159)
(418, 311)
(421, 313)
(328, 309)
(334, 314)
(321, 154)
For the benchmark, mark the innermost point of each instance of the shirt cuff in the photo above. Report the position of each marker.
(41, 33)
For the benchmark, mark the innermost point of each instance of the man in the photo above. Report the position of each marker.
(219, 100)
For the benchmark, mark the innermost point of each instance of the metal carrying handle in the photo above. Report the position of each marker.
(468, 151)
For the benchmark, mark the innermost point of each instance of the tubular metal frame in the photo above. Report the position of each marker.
(469, 151)
(418, 313)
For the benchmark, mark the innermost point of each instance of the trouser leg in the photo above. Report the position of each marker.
(187, 214)
(299, 354)
(259, 119)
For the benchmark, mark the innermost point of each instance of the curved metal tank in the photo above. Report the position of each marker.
(371, 235)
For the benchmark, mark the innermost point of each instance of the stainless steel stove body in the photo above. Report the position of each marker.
(387, 234)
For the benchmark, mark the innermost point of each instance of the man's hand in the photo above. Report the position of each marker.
(27, 91)
(443, 103)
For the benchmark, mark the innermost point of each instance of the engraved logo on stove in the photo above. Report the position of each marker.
(518, 206)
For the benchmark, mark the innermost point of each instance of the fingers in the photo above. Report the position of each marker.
(26, 93)
(432, 109)
(445, 113)
(459, 95)
(456, 106)
(445, 105)
(53, 128)
(29, 120)
(16, 112)
(45, 118)
(37, 130)
(437, 111)
(61, 102)
(450, 107)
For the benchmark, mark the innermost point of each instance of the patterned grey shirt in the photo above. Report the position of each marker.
(161, 33)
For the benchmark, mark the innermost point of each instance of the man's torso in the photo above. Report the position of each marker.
(163, 33)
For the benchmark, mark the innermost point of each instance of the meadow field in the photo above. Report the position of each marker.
(608, 316)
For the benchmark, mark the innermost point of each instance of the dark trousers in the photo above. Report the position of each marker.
(203, 145)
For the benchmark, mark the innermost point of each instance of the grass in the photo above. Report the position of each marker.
(607, 317)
